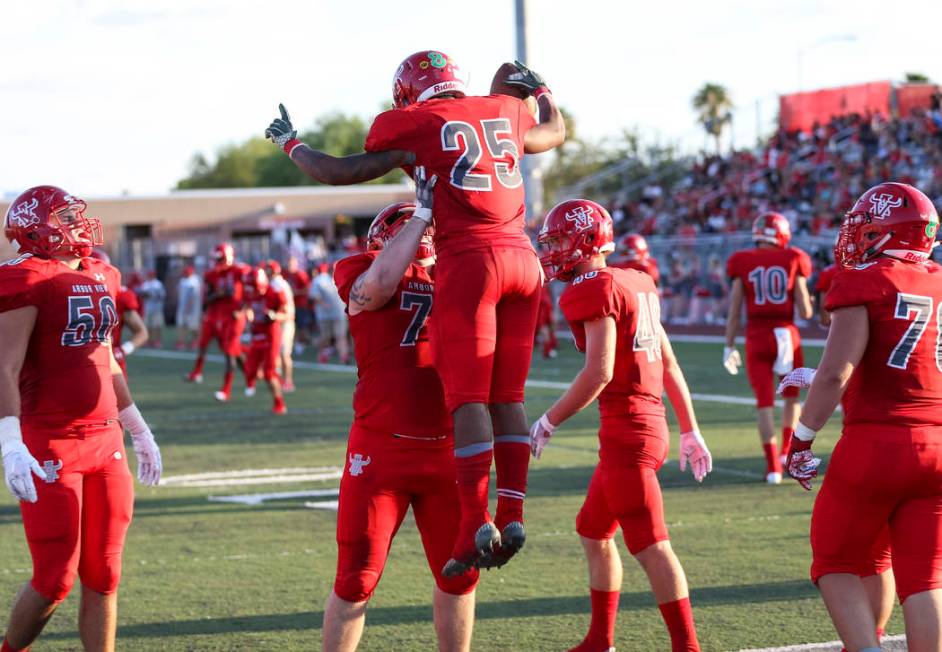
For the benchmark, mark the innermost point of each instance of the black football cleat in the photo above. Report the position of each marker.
(511, 541)
(486, 541)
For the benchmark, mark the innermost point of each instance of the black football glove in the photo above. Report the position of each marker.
(280, 131)
(525, 79)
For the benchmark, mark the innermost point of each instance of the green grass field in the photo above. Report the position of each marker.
(203, 575)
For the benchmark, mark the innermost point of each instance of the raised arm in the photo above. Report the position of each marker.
(550, 132)
(333, 170)
(375, 286)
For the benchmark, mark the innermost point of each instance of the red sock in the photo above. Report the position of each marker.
(227, 383)
(679, 620)
(198, 368)
(511, 460)
(601, 634)
(787, 440)
(279, 402)
(772, 463)
(473, 464)
(880, 633)
(6, 647)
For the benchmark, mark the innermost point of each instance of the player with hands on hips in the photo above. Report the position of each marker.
(614, 315)
(882, 363)
(58, 309)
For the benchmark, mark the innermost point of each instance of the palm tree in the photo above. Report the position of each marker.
(714, 109)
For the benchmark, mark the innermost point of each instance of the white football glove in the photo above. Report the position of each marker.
(149, 464)
(19, 465)
(540, 433)
(424, 195)
(694, 450)
(801, 377)
(731, 359)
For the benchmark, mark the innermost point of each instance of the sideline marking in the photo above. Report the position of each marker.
(830, 646)
(245, 477)
(258, 499)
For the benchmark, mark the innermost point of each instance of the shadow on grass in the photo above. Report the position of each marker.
(522, 608)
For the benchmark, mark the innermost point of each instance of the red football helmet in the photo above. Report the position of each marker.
(45, 221)
(273, 267)
(635, 248)
(425, 75)
(772, 228)
(389, 222)
(257, 280)
(895, 219)
(573, 231)
(224, 255)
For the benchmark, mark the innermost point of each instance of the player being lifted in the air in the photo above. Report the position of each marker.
(772, 280)
(615, 319)
(488, 279)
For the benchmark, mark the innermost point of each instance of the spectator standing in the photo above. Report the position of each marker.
(153, 294)
(300, 283)
(329, 311)
(189, 308)
(285, 363)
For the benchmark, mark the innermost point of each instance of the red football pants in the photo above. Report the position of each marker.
(384, 474)
(78, 524)
(482, 325)
(882, 480)
(624, 491)
(225, 329)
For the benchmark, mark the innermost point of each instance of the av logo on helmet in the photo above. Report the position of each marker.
(883, 203)
(581, 217)
(357, 463)
(24, 214)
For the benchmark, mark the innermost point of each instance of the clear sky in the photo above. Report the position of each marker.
(107, 96)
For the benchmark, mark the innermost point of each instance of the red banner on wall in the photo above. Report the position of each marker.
(914, 96)
(802, 110)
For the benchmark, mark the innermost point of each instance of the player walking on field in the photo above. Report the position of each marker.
(400, 448)
(63, 402)
(267, 310)
(615, 319)
(224, 320)
(772, 280)
(883, 362)
(488, 280)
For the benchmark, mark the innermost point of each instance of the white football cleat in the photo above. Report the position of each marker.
(250, 391)
(220, 396)
(773, 478)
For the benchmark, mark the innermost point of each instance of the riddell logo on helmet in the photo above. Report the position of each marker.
(581, 217)
(23, 214)
(884, 203)
(446, 86)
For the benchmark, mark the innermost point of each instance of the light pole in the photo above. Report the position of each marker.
(531, 182)
(833, 38)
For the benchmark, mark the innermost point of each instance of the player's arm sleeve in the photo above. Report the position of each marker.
(855, 287)
(804, 265)
(391, 130)
(589, 300)
(347, 271)
(20, 286)
(732, 266)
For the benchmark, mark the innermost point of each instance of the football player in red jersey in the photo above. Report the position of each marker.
(821, 287)
(224, 319)
(637, 256)
(487, 275)
(772, 280)
(129, 314)
(57, 311)
(400, 448)
(615, 319)
(883, 362)
(267, 310)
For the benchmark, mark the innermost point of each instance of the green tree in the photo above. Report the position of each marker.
(916, 78)
(258, 163)
(714, 109)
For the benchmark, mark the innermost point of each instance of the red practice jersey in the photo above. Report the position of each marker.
(227, 285)
(899, 379)
(825, 278)
(474, 146)
(264, 329)
(630, 298)
(300, 283)
(398, 389)
(66, 375)
(648, 266)
(125, 301)
(768, 278)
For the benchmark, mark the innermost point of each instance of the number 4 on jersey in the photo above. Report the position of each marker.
(648, 332)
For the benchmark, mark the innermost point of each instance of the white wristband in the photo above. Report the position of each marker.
(423, 213)
(9, 430)
(546, 424)
(132, 420)
(804, 433)
(128, 348)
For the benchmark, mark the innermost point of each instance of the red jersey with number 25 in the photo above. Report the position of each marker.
(899, 379)
(631, 299)
(398, 389)
(474, 146)
(66, 375)
(768, 279)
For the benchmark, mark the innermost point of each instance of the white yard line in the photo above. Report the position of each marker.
(246, 477)
(824, 647)
(258, 499)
